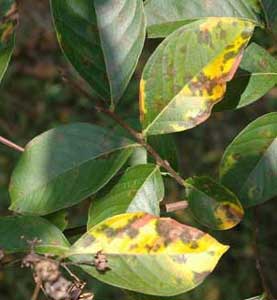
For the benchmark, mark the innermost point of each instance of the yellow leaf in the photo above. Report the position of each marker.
(147, 254)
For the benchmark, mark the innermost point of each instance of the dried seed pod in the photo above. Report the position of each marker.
(58, 290)
(47, 270)
(101, 262)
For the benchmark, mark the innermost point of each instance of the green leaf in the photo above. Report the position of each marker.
(109, 37)
(187, 74)
(141, 188)
(59, 219)
(270, 7)
(212, 204)
(150, 255)
(8, 21)
(65, 165)
(249, 164)
(258, 75)
(166, 146)
(165, 16)
(15, 231)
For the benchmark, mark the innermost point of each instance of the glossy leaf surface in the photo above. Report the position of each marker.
(8, 21)
(63, 166)
(151, 255)
(17, 230)
(212, 204)
(141, 188)
(249, 164)
(102, 39)
(187, 74)
(256, 77)
(165, 16)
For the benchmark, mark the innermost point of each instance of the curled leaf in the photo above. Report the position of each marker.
(147, 254)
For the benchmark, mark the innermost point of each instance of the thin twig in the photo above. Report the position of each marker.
(100, 107)
(10, 144)
(258, 258)
(36, 291)
(175, 206)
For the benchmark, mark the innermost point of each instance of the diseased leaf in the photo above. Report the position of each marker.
(156, 256)
(109, 36)
(165, 16)
(257, 76)
(15, 231)
(249, 164)
(65, 165)
(8, 21)
(187, 74)
(212, 204)
(141, 188)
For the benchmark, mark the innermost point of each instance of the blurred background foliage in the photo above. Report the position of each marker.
(33, 98)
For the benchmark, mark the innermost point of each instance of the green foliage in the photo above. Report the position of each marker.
(15, 232)
(65, 165)
(249, 164)
(139, 189)
(203, 63)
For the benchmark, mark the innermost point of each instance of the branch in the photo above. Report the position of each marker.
(11, 144)
(258, 258)
(100, 107)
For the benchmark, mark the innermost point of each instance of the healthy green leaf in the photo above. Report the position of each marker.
(257, 76)
(65, 165)
(109, 36)
(59, 219)
(16, 231)
(249, 164)
(187, 74)
(8, 21)
(270, 7)
(165, 16)
(212, 204)
(141, 188)
(150, 255)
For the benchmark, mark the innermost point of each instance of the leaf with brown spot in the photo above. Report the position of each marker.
(212, 204)
(174, 256)
(165, 16)
(249, 164)
(184, 79)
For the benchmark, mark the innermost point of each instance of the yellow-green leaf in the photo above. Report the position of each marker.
(147, 254)
(187, 74)
(212, 204)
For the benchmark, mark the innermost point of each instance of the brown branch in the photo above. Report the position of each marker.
(175, 206)
(10, 144)
(100, 107)
(258, 257)
(36, 290)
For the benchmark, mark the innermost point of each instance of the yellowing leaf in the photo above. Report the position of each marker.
(147, 254)
(187, 74)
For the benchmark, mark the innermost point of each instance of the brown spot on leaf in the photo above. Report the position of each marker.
(199, 277)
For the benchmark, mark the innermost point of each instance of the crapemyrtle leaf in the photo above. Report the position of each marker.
(212, 204)
(165, 16)
(270, 7)
(147, 254)
(16, 231)
(65, 165)
(187, 74)
(59, 219)
(257, 76)
(141, 188)
(249, 164)
(8, 21)
(102, 39)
